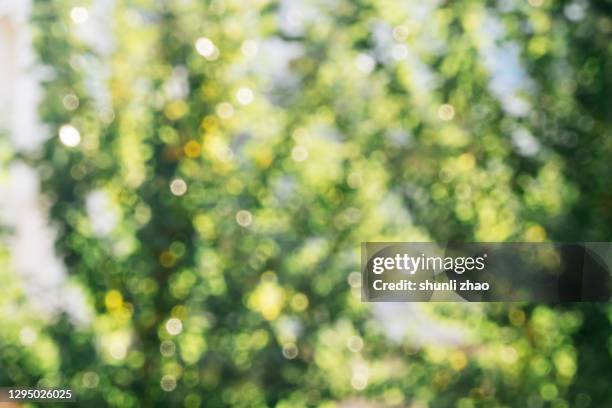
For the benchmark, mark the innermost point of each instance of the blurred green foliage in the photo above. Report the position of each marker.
(248, 149)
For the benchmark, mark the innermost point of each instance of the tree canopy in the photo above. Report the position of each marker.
(214, 166)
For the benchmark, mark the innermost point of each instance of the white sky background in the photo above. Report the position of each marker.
(32, 239)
